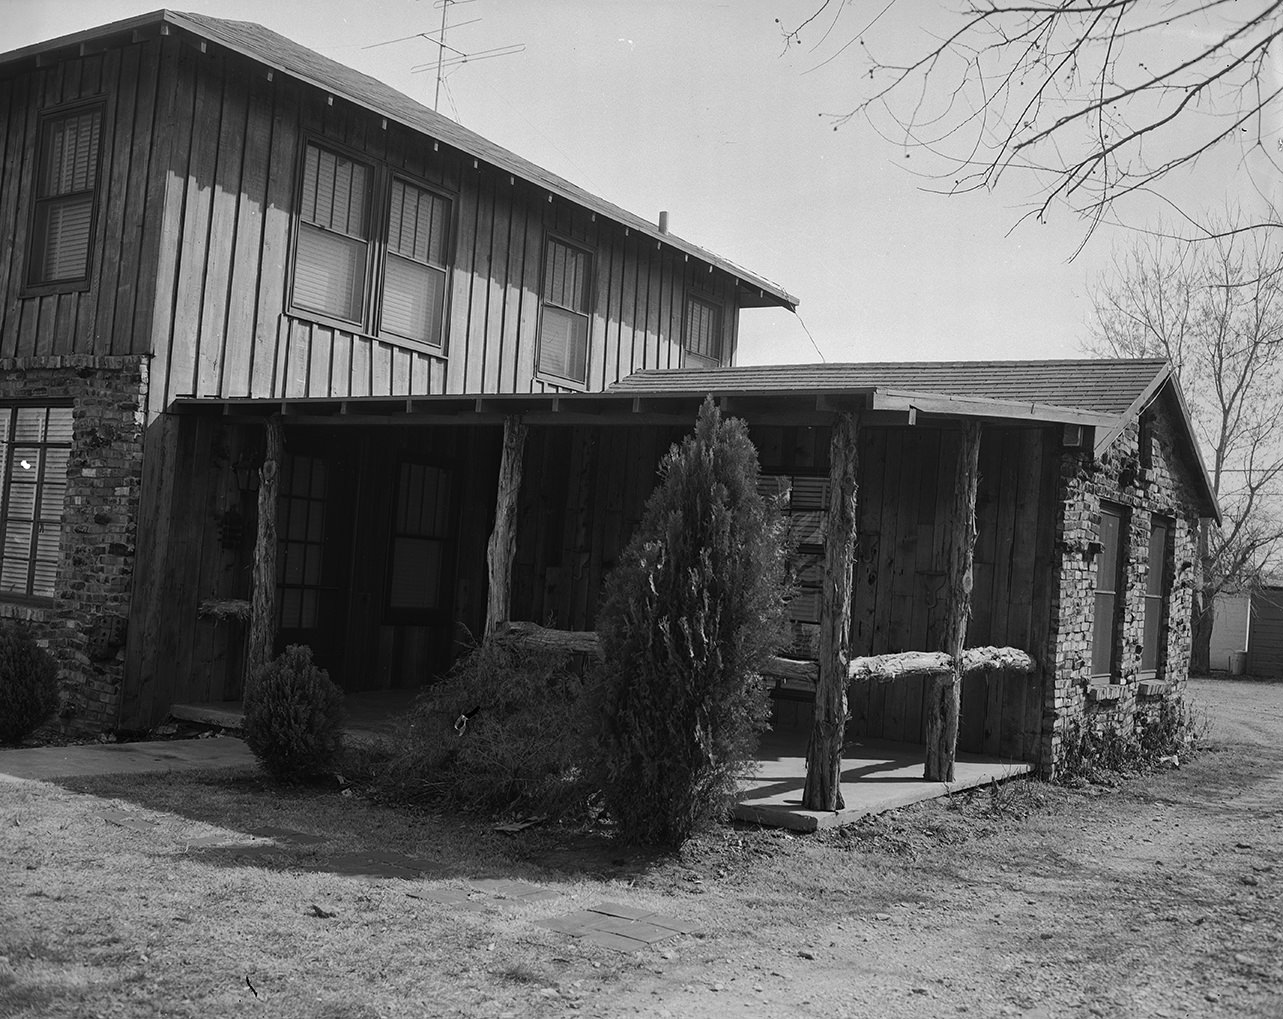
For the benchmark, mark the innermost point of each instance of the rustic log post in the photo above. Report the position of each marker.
(502, 546)
(824, 756)
(944, 697)
(262, 620)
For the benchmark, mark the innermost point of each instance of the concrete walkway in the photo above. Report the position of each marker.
(124, 758)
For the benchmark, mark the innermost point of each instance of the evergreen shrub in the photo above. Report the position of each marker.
(691, 613)
(507, 729)
(28, 685)
(294, 717)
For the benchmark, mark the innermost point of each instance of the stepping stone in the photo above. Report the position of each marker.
(286, 836)
(130, 820)
(622, 928)
(372, 864)
(448, 897)
(505, 888)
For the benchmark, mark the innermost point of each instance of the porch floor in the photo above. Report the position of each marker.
(876, 776)
(371, 714)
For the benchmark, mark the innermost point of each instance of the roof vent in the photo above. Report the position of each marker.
(663, 222)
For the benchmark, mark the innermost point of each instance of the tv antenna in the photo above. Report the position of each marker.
(448, 56)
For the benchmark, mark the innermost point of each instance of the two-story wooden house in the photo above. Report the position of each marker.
(197, 208)
(272, 333)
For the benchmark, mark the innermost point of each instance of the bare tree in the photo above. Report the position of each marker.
(1096, 100)
(1215, 310)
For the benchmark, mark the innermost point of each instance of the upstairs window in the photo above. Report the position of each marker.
(1109, 582)
(332, 261)
(1156, 588)
(381, 272)
(35, 445)
(62, 222)
(703, 339)
(563, 319)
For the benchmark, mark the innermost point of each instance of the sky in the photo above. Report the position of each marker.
(698, 108)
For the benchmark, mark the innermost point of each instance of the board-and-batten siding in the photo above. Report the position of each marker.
(220, 323)
(112, 316)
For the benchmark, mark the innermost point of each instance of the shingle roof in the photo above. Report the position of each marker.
(284, 55)
(1108, 387)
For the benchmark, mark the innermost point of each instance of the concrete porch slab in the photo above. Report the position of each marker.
(371, 715)
(124, 758)
(876, 776)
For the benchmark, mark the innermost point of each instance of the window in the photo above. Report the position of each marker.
(1109, 573)
(703, 333)
(385, 274)
(420, 538)
(1155, 598)
(35, 445)
(805, 509)
(563, 319)
(62, 220)
(300, 528)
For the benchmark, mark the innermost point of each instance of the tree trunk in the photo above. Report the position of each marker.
(944, 695)
(503, 539)
(262, 621)
(824, 756)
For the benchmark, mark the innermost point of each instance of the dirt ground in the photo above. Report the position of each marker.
(1158, 899)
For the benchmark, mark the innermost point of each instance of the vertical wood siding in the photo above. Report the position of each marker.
(191, 255)
(103, 318)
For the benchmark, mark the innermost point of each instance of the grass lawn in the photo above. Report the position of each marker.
(1160, 898)
(99, 919)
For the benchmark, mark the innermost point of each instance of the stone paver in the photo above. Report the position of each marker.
(618, 927)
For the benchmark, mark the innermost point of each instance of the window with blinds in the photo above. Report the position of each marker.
(805, 504)
(35, 445)
(383, 273)
(66, 194)
(703, 333)
(415, 274)
(563, 317)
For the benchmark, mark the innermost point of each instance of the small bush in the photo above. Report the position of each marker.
(507, 729)
(691, 613)
(28, 685)
(1101, 754)
(294, 717)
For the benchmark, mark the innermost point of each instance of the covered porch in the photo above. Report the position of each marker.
(519, 505)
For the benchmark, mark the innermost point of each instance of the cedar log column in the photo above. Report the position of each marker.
(824, 755)
(262, 618)
(944, 695)
(503, 540)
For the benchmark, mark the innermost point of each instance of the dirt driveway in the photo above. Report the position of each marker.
(1162, 899)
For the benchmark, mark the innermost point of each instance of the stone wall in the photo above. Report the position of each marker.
(84, 625)
(1163, 483)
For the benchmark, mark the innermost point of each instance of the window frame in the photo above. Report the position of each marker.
(382, 175)
(443, 610)
(719, 328)
(29, 286)
(1157, 596)
(1117, 595)
(590, 279)
(10, 408)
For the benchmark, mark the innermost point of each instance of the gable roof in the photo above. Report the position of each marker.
(1106, 393)
(281, 54)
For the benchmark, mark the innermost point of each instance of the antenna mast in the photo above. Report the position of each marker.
(457, 57)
